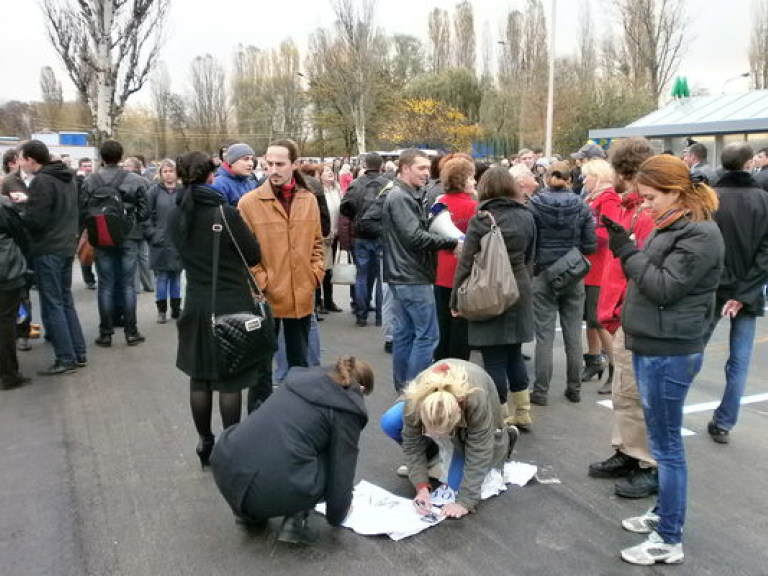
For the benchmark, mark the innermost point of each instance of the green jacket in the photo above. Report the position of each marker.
(480, 436)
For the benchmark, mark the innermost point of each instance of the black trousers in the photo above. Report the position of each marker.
(296, 333)
(9, 308)
(454, 332)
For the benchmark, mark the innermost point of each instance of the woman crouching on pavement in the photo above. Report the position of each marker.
(458, 400)
(668, 308)
(299, 448)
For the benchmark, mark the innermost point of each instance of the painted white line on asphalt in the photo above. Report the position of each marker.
(701, 407)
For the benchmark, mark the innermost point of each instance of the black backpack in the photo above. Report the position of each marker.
(106, 219)
(368, 224)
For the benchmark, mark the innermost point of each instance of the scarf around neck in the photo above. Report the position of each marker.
(670, 217)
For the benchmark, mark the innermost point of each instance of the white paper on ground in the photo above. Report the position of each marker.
(376, 511)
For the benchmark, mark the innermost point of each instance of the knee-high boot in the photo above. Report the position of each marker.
(162, 309)
(175, 307)
(522, 415)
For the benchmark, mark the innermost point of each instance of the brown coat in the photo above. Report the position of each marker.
(292, 263)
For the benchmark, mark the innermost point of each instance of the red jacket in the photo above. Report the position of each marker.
(607, 202)
(639, 222)
(462, 207)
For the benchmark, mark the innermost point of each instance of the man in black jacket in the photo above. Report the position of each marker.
(116, 265)
(410, 264)
(360, 196)
(51, 218)
(743, 221)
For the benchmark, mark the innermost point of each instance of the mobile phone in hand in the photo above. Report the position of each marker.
(611, 224)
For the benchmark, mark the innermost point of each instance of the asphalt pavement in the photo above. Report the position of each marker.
(98, 476)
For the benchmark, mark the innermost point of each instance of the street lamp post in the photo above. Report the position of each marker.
(729, 80)
(551, 86)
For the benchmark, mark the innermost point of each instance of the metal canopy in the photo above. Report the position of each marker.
(737, 113)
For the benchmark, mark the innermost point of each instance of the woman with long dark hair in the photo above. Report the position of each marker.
(669, 306)
(500, 339)
(192, 230)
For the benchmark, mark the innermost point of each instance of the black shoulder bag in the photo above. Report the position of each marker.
(242, 339)
(568, 269)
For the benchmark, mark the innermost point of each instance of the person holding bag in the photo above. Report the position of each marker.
(194, 226)
(566, 233)
(500, 339)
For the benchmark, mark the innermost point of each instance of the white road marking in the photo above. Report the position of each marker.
(701, 407)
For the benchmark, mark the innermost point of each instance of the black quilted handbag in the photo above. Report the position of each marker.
(242, 339)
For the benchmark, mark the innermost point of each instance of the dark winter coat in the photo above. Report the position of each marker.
(519, 229)
(670, 300)
(163, 256)
(360, 195)
(743, 221)
(134, 194)
(51, 213)
(298, 448)
(13, 237)
(410, 250)
(195, 355)
(563, 220)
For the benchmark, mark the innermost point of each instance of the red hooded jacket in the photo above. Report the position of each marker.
(639, 222)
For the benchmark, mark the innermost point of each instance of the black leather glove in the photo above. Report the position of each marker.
(619, 241)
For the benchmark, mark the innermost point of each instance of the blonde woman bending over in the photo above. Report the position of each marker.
(458, 400)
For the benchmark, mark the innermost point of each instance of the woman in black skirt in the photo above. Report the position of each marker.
(192, 232)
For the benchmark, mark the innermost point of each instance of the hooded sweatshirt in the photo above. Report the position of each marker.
(52, 211)
(298, 448)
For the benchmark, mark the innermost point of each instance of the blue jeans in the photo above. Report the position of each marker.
(367, 260)
(415, 337)
(57, 310)
(663, 383)
(741, 338)
(167, 285)
(392, 424)
(115, 265)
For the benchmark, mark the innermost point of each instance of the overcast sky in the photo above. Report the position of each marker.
(717, 51)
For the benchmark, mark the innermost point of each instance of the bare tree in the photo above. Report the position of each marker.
(53, 101)
(160, 85)
(465, 53)
(108, 47)
(758, 45)
(440, 39)
(587, 55)
(349, 63)
(654, 37)
(208, 101)
(407, 57)
(487, 51)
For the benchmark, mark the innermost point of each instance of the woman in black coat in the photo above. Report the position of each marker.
(163, 257)
(192, 232)
(313, 424)
(500, 339)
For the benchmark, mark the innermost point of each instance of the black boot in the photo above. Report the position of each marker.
(296, 530)
(607, 387)
(204, 449)
(162, 310)
(594, 365)
(175, 308)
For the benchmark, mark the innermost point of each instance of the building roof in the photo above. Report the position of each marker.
(737, 113)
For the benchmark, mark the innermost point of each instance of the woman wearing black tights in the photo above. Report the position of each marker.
(192, 232)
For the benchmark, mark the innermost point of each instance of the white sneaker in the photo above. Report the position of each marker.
(644, 524)
(654, 550)
(434, 469)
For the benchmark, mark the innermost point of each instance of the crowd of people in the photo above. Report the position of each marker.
(649, 250)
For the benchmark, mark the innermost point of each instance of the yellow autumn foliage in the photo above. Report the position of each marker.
(430, 123)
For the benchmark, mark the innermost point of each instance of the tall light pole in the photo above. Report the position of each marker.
(737, 77)
(551, 86)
